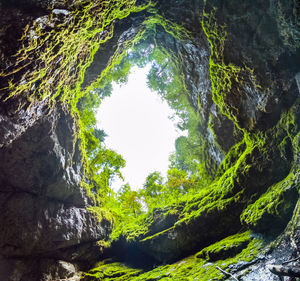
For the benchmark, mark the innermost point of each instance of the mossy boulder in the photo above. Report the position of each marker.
(192, 233)
(271, 212)
(187, 269)
(228, 247)
(108, 270)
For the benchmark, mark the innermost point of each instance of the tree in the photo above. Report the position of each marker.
(154, 184)
(129, 200)
(179, 182)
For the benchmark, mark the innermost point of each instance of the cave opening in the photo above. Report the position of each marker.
(159, 45)
(178, 172)
(229, 69)
(137, 124)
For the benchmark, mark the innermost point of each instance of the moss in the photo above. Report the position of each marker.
(193, 268)
(285, 148)
(226, 248)
(227, 189)
(111, 271)
(294, 222)
(102, 214)
(131, 228)
(55, 53)
(231, 157)
(177, 31)
(290, 120)
(228, 80)
(274, 207)
(296, 146)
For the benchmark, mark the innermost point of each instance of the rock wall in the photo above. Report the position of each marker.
(47, 231)
(43, 208)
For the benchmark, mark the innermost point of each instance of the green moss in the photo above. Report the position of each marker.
(177, 31)
(226, 248)
(296, 146)
(285, 148)
(102, 214)
(131, 228)
(294, 222)
(231, 157)
(226, 190)
(228, 80)
(274, 207)
(111, 271)
(290, 120)
(193, 268)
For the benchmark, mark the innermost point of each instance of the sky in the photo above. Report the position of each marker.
(137, 124)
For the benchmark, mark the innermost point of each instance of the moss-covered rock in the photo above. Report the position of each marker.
(271, 212)
(228, 247)
(111, 271)
(190, 268)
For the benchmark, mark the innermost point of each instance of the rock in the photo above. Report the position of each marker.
(60, 12)
(40, 161)
(39, 270)
(57, 270)
(34, 226)
(43, 205)
(190, 235)
(15, 122)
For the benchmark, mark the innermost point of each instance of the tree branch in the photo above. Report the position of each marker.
(227, 273)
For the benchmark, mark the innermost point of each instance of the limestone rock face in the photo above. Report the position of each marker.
(43, 208)
(40, 161)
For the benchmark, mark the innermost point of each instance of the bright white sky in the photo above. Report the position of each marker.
(137, 124)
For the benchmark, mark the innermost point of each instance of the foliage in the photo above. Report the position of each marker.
(133, 209)
(159, 193)
(191, 151)
(153, 186)
(129, 201)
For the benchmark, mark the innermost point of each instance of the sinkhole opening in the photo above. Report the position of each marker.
(140, 126)
(145, 147)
